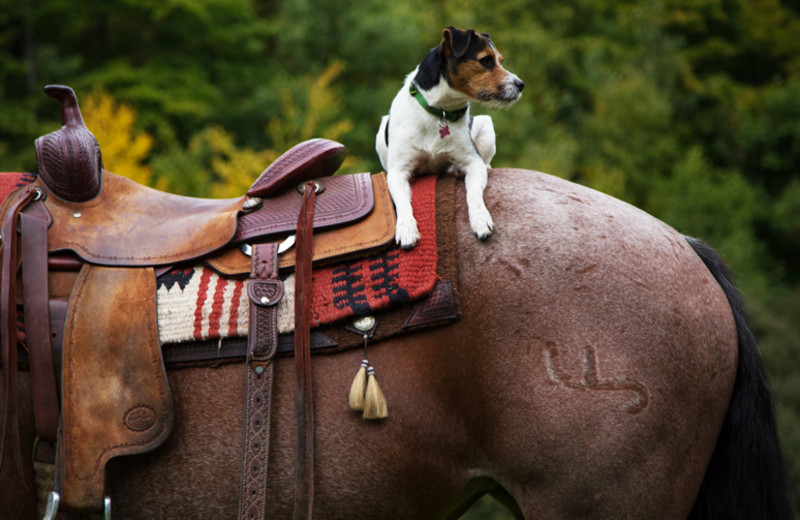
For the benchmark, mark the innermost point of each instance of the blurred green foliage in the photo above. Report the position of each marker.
(689, 109)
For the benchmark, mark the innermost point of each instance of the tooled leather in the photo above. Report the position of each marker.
(69, 160)
(110, 342)
(305, 161)
(132, 225)
(262, 343)
(257, 290)
(365, 236)
(264, 263)
(258, 402)
(346, 198)
(439, 306)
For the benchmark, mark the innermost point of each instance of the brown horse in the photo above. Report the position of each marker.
(601, 368)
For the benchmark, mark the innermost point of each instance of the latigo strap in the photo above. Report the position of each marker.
(8, 322)
(304, 482)
(33, 228)
(264, 291)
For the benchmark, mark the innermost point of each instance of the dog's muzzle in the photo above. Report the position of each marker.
(506, 94)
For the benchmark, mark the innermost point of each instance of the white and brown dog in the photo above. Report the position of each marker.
(429, 128)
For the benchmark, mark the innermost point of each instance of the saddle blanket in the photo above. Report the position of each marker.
(9, 181)
(195, 303)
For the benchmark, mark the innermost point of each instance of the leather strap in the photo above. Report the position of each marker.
(33, 227)
(304, 482)
(265, 290)
(8, 325)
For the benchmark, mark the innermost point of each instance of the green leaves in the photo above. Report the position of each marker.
(686, 108)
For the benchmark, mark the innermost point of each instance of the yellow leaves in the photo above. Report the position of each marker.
(324, 105)
(236, 168)
(124, 150)
(212, 164)
(317, 115)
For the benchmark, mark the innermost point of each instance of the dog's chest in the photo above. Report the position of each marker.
(429, 161)
(439, 136)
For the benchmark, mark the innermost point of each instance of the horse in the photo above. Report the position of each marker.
(602, 367)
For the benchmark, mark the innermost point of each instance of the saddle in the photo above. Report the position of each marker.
(91, 243)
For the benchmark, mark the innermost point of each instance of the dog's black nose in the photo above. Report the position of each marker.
(519, 84)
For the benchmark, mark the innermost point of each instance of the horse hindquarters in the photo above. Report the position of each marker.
(745, 478)
(608, 353)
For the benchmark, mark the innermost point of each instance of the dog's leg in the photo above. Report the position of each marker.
(381, 146)
(406, 232)
(482, 134)
(475, 180)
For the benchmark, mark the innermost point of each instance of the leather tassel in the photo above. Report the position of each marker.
(358, 388)
(374, 401)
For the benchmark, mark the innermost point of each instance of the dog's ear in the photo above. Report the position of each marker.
(456, 41)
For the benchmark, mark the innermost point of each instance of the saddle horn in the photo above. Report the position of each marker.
(69, 159)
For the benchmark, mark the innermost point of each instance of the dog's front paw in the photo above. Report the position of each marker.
(406, 234)
(481, 223)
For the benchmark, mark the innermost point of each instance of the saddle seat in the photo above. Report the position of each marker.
(128, 224)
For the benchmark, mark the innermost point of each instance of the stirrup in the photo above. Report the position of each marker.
(52, 507)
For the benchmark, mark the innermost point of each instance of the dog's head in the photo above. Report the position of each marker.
(473, 66)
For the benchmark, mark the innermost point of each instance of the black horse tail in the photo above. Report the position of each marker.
(746, 478)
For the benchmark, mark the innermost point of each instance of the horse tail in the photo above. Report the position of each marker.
(745, 478)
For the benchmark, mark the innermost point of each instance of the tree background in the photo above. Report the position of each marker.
(689, 109)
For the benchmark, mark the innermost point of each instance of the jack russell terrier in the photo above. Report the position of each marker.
(429, 128)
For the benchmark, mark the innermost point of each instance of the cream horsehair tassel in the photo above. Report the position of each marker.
(359, 387)
(374, 401)
(365, 394)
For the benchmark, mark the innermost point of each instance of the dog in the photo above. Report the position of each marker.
(429, 128)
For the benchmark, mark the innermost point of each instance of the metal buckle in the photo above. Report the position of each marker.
(318, 188)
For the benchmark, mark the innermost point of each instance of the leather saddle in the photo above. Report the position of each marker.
(89, 243)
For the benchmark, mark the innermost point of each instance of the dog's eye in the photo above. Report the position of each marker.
(487, 61)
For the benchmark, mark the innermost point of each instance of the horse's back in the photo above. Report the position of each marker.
(588, 376)
(610, 346)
